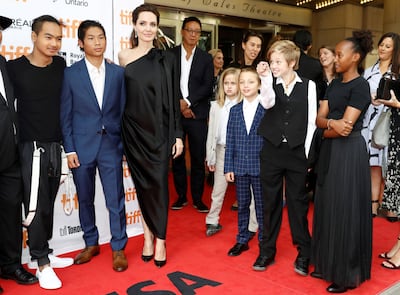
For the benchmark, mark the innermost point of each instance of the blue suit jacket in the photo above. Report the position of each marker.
(242, 153)
(81, 117)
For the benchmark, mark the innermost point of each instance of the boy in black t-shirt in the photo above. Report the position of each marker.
(37, 80)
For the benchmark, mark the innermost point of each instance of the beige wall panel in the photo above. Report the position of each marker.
(391, 17)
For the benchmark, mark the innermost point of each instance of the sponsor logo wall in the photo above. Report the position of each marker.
(115, 16)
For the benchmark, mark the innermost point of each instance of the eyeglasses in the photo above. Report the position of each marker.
(193, 32)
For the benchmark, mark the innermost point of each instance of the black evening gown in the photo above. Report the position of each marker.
(145, 127)
(342, 224)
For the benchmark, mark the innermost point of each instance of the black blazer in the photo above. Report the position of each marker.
(201, 79)
(8, 119)
(311, 69)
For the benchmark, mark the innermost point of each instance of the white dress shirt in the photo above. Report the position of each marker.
(2, 87)
(223, 122)
(186, 65)
(97, 77)
(249, 111)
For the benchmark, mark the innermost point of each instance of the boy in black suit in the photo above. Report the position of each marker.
(287, 128)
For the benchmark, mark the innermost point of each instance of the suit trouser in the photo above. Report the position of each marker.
(40, 230)
(109, 163)
(10, 218)
(196, 132)
(278, 163)
(245, 184)
(219, 190)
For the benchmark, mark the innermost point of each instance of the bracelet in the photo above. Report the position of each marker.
(328, 124)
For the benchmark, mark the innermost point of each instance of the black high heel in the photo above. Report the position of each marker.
(374, 202)
(392, 218)
(147, 258)
(160, 263)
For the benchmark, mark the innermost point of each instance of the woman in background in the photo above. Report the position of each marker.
(252, 43)
(326, 55)
(388, 49)
(218, 62)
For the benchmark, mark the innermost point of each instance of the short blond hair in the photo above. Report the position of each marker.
(290, 51)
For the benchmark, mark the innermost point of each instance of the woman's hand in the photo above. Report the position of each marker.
(392, 102)
(177, 148)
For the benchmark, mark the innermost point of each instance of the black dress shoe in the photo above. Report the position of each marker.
(262, 262)
(334, 288)
(201, 207)
(179, 204)
(301, 265)
(21, 276)
(316, 275)
(238, 249)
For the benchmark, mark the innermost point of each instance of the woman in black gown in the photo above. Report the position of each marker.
(342, 229)
(151, 127)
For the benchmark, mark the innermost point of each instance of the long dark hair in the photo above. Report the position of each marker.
(396, 50)
(246, 36)
(135, 15)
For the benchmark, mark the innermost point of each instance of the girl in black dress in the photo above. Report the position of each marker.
(342, 229)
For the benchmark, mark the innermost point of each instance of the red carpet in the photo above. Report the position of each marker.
(199, 265)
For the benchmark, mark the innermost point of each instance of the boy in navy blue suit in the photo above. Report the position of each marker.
(92, 103)
(242, 164)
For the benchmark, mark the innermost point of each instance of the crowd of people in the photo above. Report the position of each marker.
(253, 123)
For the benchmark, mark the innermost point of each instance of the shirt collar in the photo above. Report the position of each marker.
(229, 102)
(92, 69)
(279, 80)
(247, 103)
(184, 50)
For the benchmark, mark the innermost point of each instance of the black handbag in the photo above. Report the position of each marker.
(389, 81)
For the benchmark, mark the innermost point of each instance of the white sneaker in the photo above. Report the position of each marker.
(55, 262)
(48, 279)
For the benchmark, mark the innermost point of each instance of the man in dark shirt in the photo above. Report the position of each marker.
(309, 67)
(10, 182)
(37, 80)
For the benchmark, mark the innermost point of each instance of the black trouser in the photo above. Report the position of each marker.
(41, 229)
(280, 164)
(196, 132)
(10, 218)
